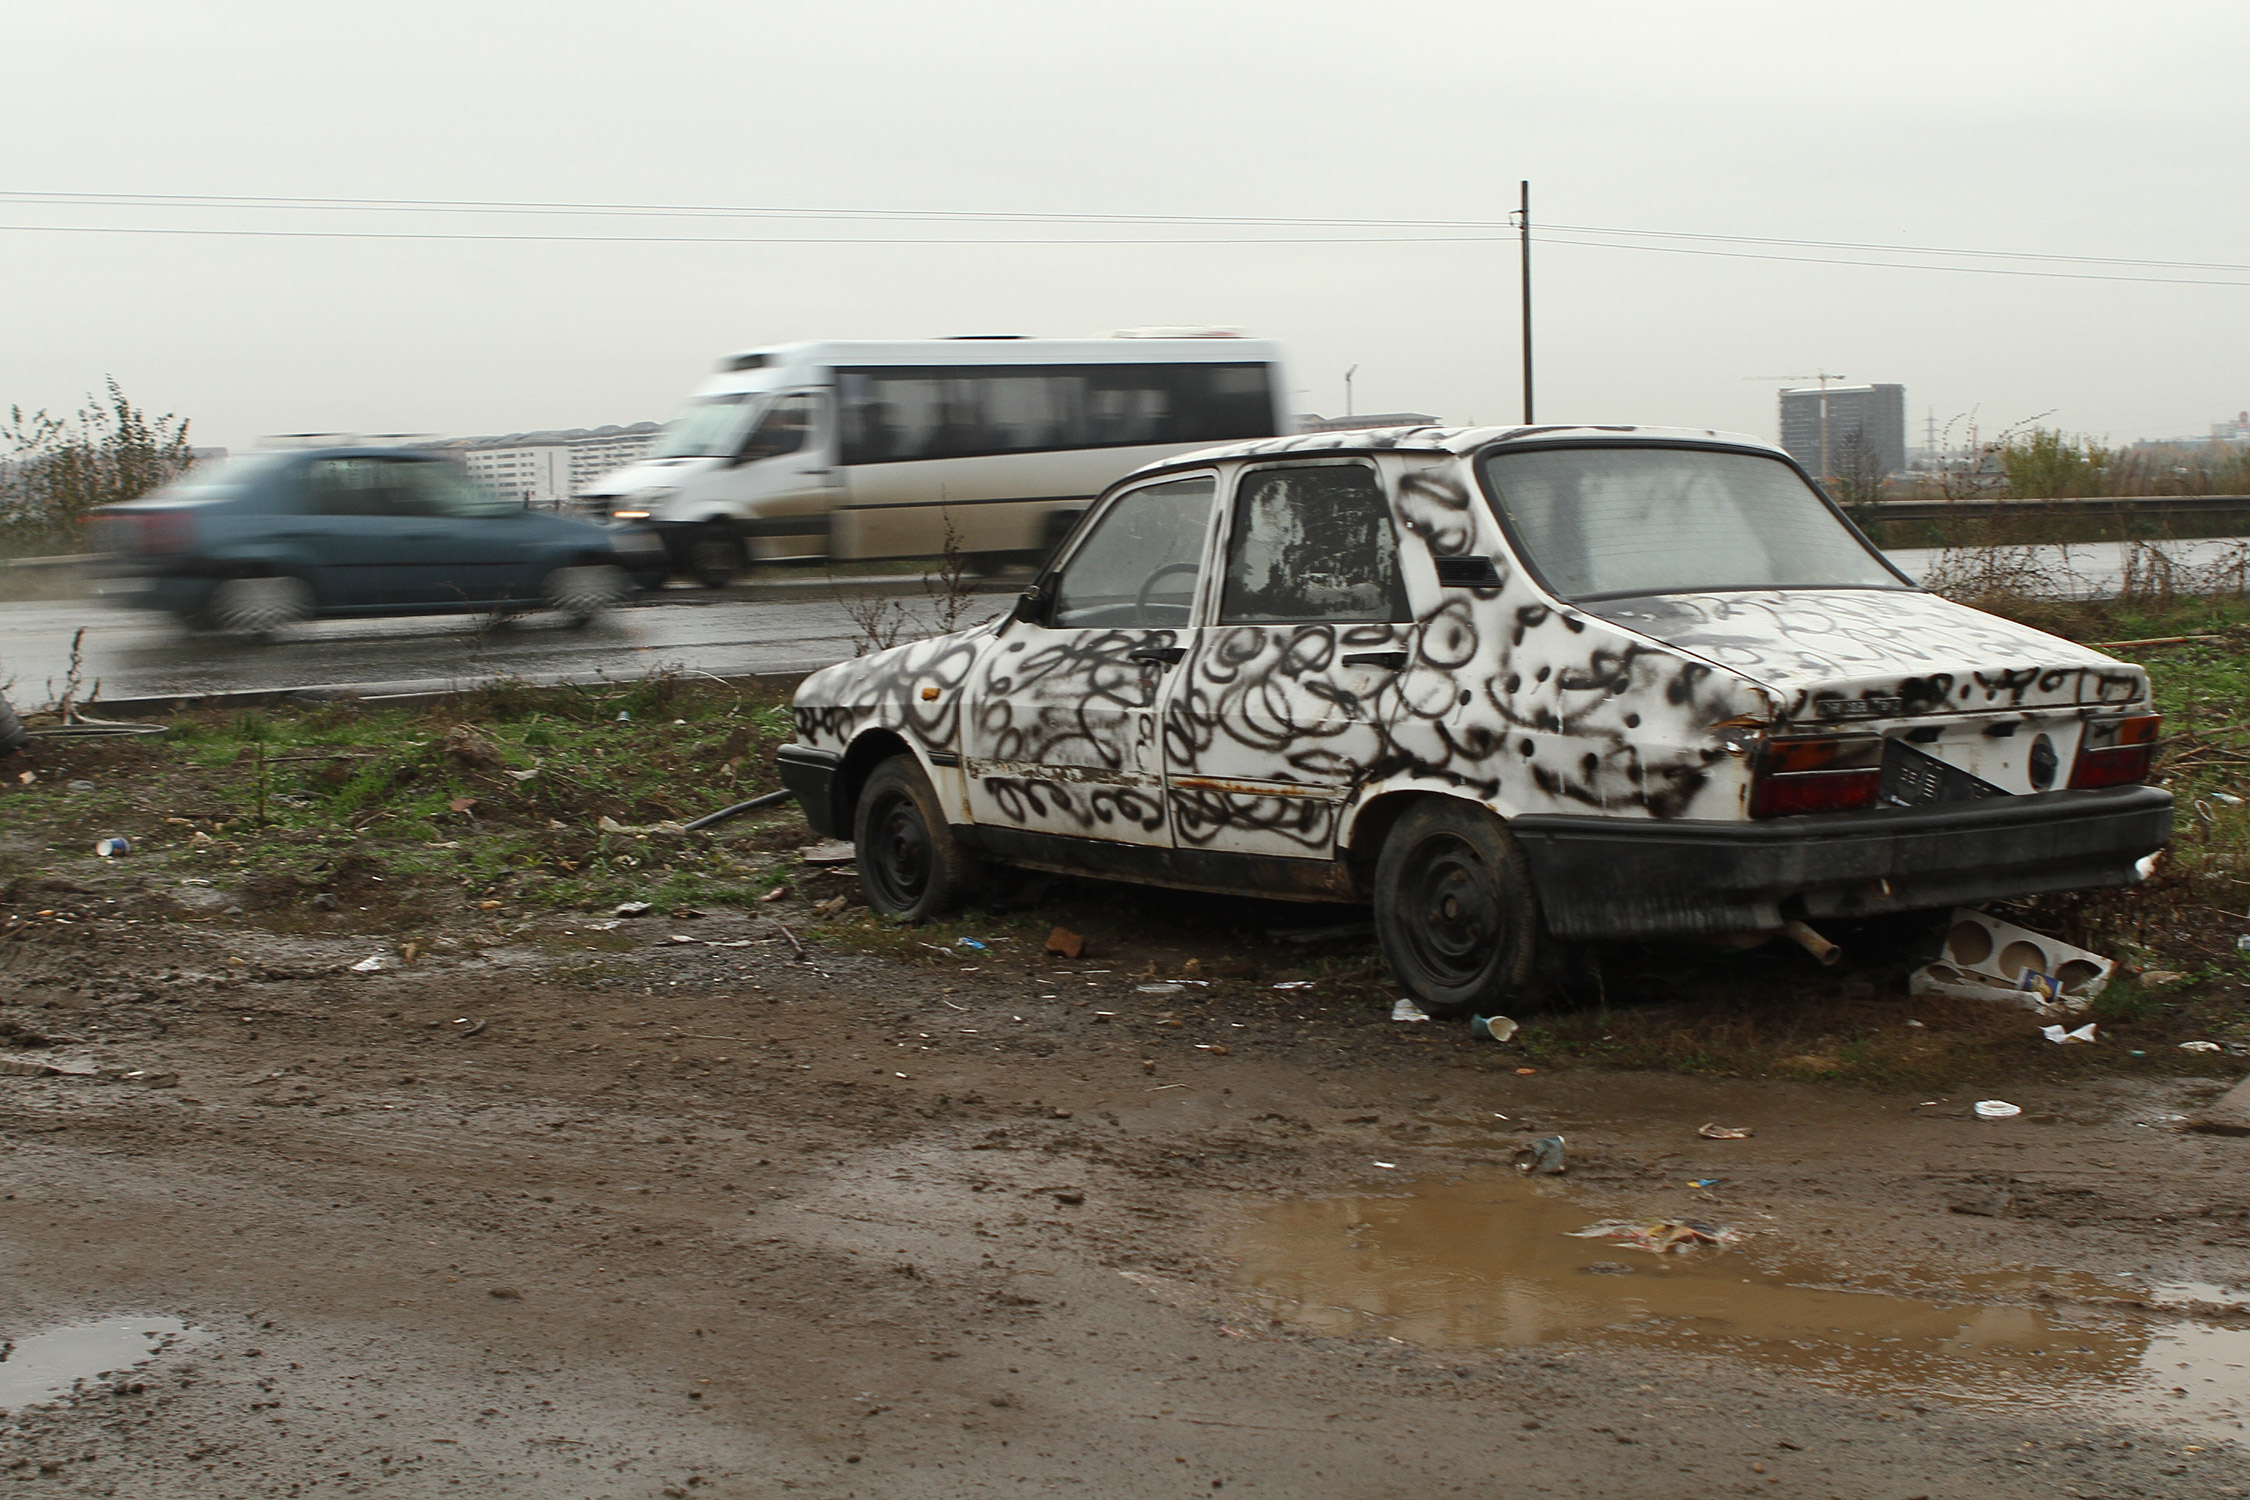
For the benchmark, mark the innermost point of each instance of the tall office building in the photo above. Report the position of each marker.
(1855, 419)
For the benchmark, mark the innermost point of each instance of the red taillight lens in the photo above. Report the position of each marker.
(163, 531)
(1785, 795)
(1817, 775)
(2115, 752)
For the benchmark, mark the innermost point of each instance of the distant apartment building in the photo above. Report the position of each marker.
(2236, 431)
(547, 468)
(1827, 430)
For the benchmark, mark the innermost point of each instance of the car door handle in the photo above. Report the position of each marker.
(1163, 656)
(1389, 661)
(812, 471)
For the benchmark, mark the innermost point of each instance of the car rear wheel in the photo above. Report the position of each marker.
(585, 593)
(714, 555)
(911, 867)
(1454, 908)
(259, 607)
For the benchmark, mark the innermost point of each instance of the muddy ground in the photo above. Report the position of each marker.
(562, 1204)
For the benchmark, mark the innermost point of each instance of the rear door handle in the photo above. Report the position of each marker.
(1163, 656)
(1389, 661)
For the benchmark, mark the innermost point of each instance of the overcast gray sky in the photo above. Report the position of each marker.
(2058, 128)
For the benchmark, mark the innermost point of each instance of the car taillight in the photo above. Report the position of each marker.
(2115, 752)
(1817, 775)
(163, 531)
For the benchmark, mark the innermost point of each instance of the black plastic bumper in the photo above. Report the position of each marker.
(1609, 877)
(811, 774)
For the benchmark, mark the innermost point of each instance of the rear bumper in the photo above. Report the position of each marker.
(1607, 877)
(811, 774)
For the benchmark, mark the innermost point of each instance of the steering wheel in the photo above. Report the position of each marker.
(1141, 601)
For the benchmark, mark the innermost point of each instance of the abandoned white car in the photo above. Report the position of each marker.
(1506, 685)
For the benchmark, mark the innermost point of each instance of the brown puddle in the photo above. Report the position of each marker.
(1490, 1262)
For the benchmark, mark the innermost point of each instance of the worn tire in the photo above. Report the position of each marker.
(1454, 908)
(714, 555)
(12, 737)
(584, 593)
(911, 867)
(259, 606)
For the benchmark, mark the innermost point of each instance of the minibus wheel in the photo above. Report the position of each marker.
(714, 555)
(1454, 909)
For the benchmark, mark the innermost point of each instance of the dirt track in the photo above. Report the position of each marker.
(599, 1213)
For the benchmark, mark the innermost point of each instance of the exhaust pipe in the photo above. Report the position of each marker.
(1812, 942)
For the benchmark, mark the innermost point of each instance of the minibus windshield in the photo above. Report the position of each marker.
(711, 425)
(1611, 522)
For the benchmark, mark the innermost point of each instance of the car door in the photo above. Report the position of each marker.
(365, 552)
(470, 545)
(1284, 703)
(1062, 729)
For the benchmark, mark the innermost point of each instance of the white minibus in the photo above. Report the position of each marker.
(847, 450)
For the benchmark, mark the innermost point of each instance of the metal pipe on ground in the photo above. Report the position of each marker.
(770, 799)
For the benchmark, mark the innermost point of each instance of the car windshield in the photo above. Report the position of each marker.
(710, 425)
(1612, 522)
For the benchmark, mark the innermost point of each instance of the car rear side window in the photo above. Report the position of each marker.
(1312, 542)
(1139, 565)
(1604, 522)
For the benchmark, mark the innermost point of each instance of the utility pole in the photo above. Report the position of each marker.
(1523, 224)
(1348, 374)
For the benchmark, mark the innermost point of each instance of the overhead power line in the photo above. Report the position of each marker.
(1202, 229)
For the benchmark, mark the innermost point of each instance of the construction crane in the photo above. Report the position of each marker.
(1824, 377)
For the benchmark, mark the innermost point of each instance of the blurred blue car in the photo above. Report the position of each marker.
(257, 543)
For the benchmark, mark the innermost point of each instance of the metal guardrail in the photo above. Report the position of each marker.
(2092, 505)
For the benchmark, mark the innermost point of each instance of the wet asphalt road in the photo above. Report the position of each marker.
(786, 627)
(784, 624)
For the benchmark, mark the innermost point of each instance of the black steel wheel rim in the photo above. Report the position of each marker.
(1453, 921)
(898, 857)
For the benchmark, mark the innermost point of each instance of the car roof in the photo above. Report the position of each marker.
(1456, 440)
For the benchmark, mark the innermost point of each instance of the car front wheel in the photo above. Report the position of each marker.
(1454, 908)
(910, 865)
(585, 593)
(259, 607)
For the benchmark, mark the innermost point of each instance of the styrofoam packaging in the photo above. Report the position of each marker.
(1987, 959)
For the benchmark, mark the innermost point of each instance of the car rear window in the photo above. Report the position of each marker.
(1610, 522)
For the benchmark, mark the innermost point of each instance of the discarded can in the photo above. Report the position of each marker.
(1997, 1109)
(1542, 1158)
(113, 848)
(1492, 1028)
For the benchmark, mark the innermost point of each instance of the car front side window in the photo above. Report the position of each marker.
(1139, 565)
